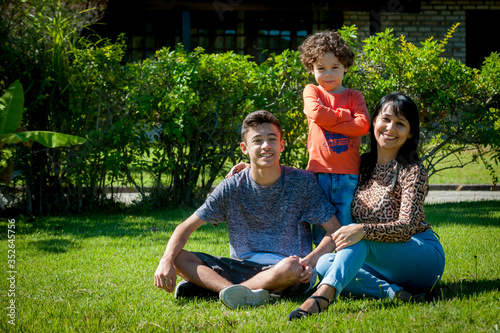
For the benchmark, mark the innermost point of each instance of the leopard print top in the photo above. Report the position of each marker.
(391, 204)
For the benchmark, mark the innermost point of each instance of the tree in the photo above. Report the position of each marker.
(459, 105)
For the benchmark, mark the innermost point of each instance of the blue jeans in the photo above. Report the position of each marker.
(380, 269)
(339, 190)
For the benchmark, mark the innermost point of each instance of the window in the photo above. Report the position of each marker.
(258, 33)
(480, 23)
(219, 36)
(274, 31)
(142, 45)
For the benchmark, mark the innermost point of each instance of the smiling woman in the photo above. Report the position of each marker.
(391, 130)
(391, 252)
(401, 110)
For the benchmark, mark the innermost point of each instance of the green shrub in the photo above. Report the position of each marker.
(97, 96)
(281, 80)
(36, 38)
(195, 103)
(173, 121)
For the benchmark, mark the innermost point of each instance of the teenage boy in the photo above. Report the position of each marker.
(268, 210)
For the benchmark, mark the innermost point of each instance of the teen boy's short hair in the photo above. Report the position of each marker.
(256, 118)
(320, 43)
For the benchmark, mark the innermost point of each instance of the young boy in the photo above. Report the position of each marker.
(268, 210)
(337, 119)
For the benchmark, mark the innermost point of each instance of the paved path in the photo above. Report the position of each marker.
(436, 195)
(457, 196)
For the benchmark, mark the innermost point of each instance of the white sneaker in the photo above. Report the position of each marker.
(240, 296)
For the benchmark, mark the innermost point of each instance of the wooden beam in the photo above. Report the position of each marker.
(263, 5)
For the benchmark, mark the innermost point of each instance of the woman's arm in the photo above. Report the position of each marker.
(348, 235)
(414, 186)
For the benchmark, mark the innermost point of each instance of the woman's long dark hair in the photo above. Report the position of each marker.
(403, 106)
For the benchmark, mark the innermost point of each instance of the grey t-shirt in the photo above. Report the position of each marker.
(274, 219)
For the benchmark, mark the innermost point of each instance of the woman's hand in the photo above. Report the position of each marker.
(347, 236)
(237, 168)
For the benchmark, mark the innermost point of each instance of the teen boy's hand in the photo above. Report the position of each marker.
(165, 276)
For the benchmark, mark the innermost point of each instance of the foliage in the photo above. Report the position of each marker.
(11, 111)
(459, 105)
(173, 120)
(281, 80)
(176, 118)
(36, 38)
(191, 105)
(97, 104)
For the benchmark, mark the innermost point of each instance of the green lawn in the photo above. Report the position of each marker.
(94, 273)
(475, 173)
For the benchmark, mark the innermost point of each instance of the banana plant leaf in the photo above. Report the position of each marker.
(11, 108)
(11, 112)
(46, 138)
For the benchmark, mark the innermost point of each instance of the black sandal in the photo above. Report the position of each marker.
(299, 313)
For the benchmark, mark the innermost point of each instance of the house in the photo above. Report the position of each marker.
(259, 27)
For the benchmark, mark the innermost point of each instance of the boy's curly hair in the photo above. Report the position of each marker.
(320, 43)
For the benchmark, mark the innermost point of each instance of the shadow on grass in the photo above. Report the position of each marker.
(54, 245)
(480, 213)
(466, 288)
(159, 223)
(463, 289)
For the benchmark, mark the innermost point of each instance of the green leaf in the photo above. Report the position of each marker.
(48, 139)
(11, 108)
(10, 138)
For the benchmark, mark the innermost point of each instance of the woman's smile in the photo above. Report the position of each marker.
(391, 131)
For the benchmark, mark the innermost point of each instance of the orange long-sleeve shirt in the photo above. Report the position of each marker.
(336, 124)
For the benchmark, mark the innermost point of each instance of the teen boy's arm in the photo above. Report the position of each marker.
(327, 245)
(165, 275)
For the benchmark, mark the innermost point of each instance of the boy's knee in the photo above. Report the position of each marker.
(185, 259)
(290, 268)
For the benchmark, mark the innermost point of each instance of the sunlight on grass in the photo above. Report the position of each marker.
(475, 173)
(95, 273)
